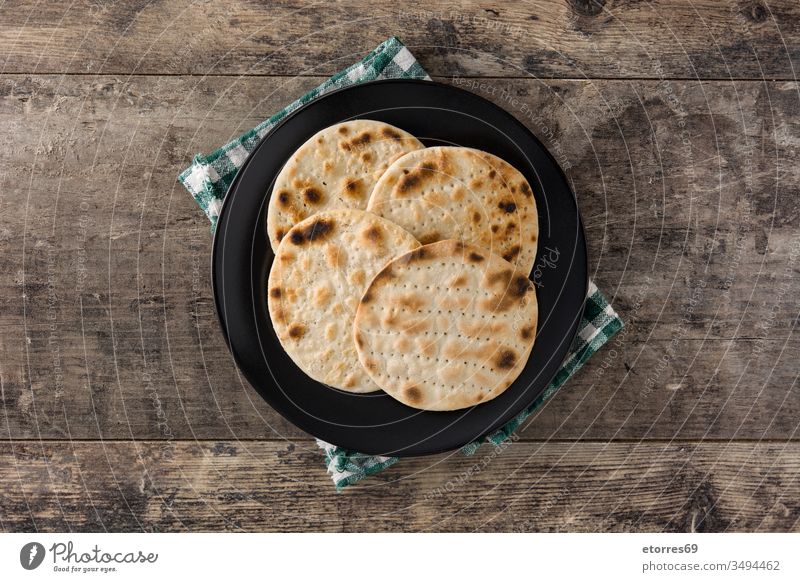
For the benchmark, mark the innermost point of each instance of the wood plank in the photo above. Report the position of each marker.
(549, 38)
(257, 486)
(107, 317)
(94, 141)
(189, 388)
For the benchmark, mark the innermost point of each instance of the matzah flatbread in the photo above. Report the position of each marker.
(336, 168)
(446, 326)
(464, 194)
(319, 273)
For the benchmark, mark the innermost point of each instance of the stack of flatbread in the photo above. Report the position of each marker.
(403, 268)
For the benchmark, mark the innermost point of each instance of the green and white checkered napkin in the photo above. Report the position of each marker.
(208, 178)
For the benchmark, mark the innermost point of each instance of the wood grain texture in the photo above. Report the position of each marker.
(258, 486)
(547, 38)
(108, 323)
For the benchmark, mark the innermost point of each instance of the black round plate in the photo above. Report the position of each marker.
(375, 423)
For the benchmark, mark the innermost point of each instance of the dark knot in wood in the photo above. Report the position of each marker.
(587, 7)
(755, 12)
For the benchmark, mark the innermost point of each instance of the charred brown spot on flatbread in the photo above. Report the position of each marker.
(492, 173)
(413, 394)
(390, 319)
(505, 359)
(279, 316)
(457, 246)
(354, 187)
(475, 257)
(389, 133)
(495, 227)
(503, 277)
(357, 277)
(435, 198)
(361, 139)
(511, 289)
(511, 253)
(367, 298)
(476, 217)
(366, 157)
(343, 129)
(373, 235)
(312, 195)
(279, 234)
(322, 296)
(507, 206)
(417, 255)
(526, 332)
(275, 292)
(384, 275)
(297, 331)
(358, 141)
(412, 302)
(429, 237)
(284, 199)
(427, 168)
(408, 182)
(526, 190)
(315, 232)
(359, 340)
(515, 295)
(413, 178)
(520, 286)
(445, 161)
(334, 256)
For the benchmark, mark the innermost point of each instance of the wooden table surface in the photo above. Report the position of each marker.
(678, 123)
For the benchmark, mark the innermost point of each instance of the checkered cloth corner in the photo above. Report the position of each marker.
(209, 177)
(348, 467)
